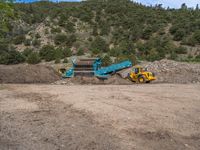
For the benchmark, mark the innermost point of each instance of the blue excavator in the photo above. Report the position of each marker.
(93, 67)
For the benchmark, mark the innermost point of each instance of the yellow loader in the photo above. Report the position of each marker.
(140, 75)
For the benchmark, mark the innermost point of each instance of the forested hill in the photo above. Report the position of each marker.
(119, 28)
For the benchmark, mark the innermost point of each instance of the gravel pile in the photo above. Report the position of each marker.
(168, 71)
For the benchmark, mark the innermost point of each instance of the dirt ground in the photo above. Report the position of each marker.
(25, 73)
(100, 117)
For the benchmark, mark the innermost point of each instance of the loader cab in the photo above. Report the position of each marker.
(138, 70)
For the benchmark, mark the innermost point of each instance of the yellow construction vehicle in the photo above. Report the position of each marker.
(140, 75)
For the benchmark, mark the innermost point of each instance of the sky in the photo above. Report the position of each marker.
(171, 3)
(166, 3)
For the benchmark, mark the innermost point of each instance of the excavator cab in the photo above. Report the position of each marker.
(141, 75)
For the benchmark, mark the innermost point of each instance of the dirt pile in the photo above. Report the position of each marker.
(114, 80)
(24, 73)
(168, 71)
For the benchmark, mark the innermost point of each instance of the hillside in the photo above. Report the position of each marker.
(118, 28)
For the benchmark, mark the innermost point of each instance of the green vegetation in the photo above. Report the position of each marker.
(106, 60)
(33, 58)
(118, 28)
(11, 57)
(48, 53)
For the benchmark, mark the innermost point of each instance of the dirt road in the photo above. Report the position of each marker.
(103, 117)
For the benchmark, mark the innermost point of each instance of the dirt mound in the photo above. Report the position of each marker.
(24, 73)
(114, 80)
(168, 71)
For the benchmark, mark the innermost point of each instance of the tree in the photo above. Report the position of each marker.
(70, 27)
(57, 61)
(179, 34)
(106, 60)
(11, 57)
(99, 44)
(197, 7)
(19, 39)
(33, 58)
(196, 36)
(60, 39)
(47, 52)
(80, 52)
(6, 12)
(27, 52)
(184, 6)
(65, 60)
(67, 52)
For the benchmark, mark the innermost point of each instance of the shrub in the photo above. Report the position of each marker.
(106, 60)
(67, 52)
(33, 58)
(99, 44)
(70, 27)
(196, 36)
(179, 34)
(19, 39)
(60, 39)
(59, 53)
(47, 52)
(27, 42)
(80, 52)
(11, 57)
(37, 36)
(180, 50)
(55, 30)
(65, 60)
(70, 40)
(147, 33)
(57, 61)
(64, 39)
(115, 52)
(27, 52)
(36, 43)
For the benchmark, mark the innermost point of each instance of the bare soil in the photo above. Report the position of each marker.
(24, 73)
(100, 117)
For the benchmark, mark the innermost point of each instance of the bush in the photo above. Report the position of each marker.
(196, 36)
(36, 43)
(147, 33)
(37, 36)
(55, 30)
(70, 40)
(27, 42)
(131, 58)
(11, 57)
(70, 27)
(57, 61)
(65, 60)
(46, 31)
(115, 52)
(59, 53)
(99, 44)
(80, 52)
(33, 58)
(27, 52)
(60, 39)
(179, 34)
(47, 53)
(67, 52)
(106, 60)
(180, 50)
(19, 39)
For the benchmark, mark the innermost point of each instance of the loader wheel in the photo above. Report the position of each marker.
(141, 79)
